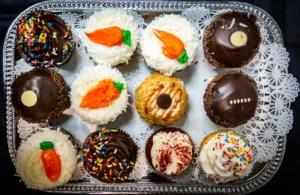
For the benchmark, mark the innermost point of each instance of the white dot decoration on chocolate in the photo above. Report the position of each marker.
(239, 101)
(29, 98)
(238, 38)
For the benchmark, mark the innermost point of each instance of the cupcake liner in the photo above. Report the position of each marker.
(187, 172)
(94, 178)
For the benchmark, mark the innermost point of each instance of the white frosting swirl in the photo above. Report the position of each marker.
(30, 166)
(171, 152)
(225, 157)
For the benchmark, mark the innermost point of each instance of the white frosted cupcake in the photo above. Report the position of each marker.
(46, 159)
(111, 36)
(225, 156)
(99, 94)
(169, 43)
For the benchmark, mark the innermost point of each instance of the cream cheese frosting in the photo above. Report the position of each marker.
(116, 54)
(225, 156)
(171, 152)
(30, 166)
(151, 46)
(88, 78)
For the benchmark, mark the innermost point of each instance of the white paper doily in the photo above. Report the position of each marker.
(273, 118)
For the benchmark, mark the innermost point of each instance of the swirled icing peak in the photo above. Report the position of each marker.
(225, 156)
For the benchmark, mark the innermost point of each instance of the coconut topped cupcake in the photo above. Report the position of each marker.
(99, 94)
(46, 159)
(225, 156)
(111, 36)
(169, 43)
(44, 39)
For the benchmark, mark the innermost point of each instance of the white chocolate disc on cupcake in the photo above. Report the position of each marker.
(47, 159)
(111, 36)
(169, 44)
(99, 94)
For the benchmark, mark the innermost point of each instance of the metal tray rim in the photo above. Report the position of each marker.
(153, 6)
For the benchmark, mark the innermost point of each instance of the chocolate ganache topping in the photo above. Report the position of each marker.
(231, 99)
(44, 39)
(45, 90)
(109, 155)
(231, 40)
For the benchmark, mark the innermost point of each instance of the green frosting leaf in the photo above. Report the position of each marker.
(46, 145)
(119, 86)
(183, 58)
(126, 37)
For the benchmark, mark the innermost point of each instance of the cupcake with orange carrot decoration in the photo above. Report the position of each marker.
(111, 36)
(169, 44)
(46, 159)
(99, 94)
(225, 156)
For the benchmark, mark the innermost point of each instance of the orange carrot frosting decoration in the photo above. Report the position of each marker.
(102, 95)
(111, 36)
(51, 160)
(172, 47)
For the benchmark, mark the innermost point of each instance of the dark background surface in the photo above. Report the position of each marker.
(285, 12)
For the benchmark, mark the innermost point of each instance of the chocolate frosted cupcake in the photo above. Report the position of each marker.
(169, 151)
(161, 100)
(44, 39)
(232, 39)
(231, 99)
(109, 155)
(39, 95)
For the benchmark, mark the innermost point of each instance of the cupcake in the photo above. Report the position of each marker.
(109, 155)
(231, 99)
(39, 95)
(231, 40)
(224, 156)
(169, 151)
(169, 44)
(111, 36)
(161, 100)
(47, 159)
(99, 94)
(44, 39)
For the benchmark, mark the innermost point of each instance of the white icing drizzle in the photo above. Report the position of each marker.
(232, 23)
(243, 25)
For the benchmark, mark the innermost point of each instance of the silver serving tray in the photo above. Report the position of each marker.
(150, 184)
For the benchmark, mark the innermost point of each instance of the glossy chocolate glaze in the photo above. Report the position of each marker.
(120, 148)
(217, 46)
(51, 91)
(231, 99)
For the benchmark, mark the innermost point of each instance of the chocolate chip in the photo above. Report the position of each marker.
(164, 101)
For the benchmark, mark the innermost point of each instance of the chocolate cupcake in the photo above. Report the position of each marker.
(161, 100)
(232, 39)
(109, 155)
(44, 39)
(169, 151)
(231, 99)
(39, 95)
